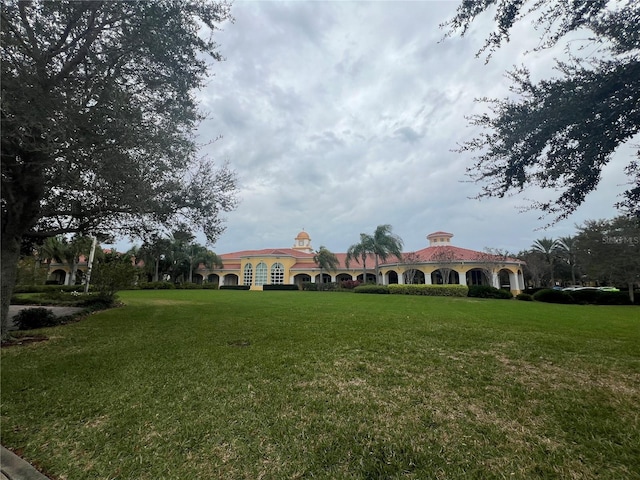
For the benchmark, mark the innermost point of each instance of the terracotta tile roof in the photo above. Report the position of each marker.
(426, 255)
(451, 253)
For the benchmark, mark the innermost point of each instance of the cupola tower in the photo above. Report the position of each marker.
(303, 242)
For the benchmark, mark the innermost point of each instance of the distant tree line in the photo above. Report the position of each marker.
(602, 252)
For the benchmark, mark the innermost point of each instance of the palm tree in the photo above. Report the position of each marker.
(64, 251)
(384, 245)
(326, 260)
(199, 254)
(359, 251)
(568, 248)
(547, 247)
(152, 252)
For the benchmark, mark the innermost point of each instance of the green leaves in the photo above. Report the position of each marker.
(98, 107)
(559, 133)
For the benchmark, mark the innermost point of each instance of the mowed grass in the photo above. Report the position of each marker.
(279, 385)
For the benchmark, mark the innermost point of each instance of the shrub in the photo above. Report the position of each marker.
(109, 277)
(487, 291)
(54, 287)
(615, 298)
(234, 287)
(210, 286)
(156, 286)
(98, 301)
(549, 295)
(349, 284)
(309, 287)
(533, 291)
(584, 297)
(287, 286)
(525, 297)
(429, 290)
(188, 286)
(38, 317)
(381, 289)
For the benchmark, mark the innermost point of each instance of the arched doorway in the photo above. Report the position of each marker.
(477, 276)
(504, 278)
(231, 279)
(442, 276)
(301, 278)
(58, 276)
(371, 278)
(343, 277)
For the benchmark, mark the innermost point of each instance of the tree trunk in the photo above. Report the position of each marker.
(631, 295)
(155, 275)
(10, 257)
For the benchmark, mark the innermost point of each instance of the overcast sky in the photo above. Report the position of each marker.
(341, 116)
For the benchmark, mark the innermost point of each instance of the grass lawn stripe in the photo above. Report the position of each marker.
(234, 384)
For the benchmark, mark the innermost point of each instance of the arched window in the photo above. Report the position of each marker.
(277, 274)
(261, 273)
(248, 274)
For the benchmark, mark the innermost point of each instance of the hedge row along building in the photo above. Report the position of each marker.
(439, 263)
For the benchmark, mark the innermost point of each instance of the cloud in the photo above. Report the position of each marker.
(340, 116)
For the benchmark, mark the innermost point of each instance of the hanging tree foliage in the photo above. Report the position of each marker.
(98, 114)
(559, 133)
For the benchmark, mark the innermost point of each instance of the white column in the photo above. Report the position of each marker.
(401, 278)
(462, 277)
(427, 278)
(495, 280)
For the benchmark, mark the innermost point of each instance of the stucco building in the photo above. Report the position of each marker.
(439, 262)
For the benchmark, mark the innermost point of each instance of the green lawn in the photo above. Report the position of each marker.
(206, 384)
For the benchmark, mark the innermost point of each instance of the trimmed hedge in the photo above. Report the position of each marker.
(287, 286)
(380, 289)
(525, 297)
(487, 291)
(598, 297)
(549, 295)
(309, 287)
(210, 286)
(234, 287)
(156, 286)
(617, 298)
(429, 290)
(49, 288)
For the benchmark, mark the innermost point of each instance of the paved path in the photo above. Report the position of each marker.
(12, 467)
(59, 312)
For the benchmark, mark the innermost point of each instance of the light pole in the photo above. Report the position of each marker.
(90, 263)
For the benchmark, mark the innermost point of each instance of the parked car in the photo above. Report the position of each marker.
(609, 289)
